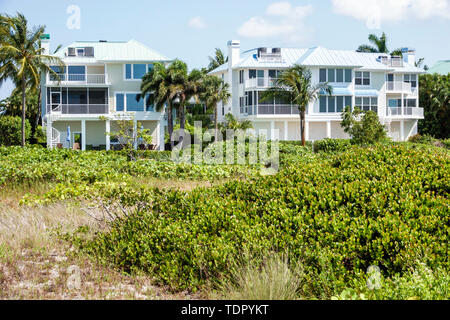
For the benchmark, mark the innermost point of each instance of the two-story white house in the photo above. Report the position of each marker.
(97, 86)
(371, 81)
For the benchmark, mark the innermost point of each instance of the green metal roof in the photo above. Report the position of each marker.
(116, 51)
(441, 67)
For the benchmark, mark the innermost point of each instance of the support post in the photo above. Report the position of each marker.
(83, 135)
(402, 130)
(108, 137)
(49, 132)
(286, 131)
(328, 129)
(306, 130)
(272, 129)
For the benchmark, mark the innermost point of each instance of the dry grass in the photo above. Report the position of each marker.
(36, 264)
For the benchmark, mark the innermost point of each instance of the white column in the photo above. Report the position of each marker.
(328, 129)
(306, 130)
(83, 135)
(135, 132)
(272, 129)
(49, 132)
(402, 130)
(286, 131)
(108, 137)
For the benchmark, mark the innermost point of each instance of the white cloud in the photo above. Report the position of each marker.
(280, 19)
(376, 12)
(197, 23)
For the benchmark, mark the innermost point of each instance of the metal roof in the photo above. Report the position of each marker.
(441, 67)
(115, 51)
(320, 57)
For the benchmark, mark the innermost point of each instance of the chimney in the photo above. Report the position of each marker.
(234, 52)
(45, 43)
(409, 55)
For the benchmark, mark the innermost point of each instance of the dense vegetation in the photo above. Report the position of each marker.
(336, 216)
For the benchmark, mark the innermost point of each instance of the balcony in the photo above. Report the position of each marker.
(260, 83)
(77, 79)
(278, 109)
(396, 62)
(408, 112)
(400, 86)
(77, 109)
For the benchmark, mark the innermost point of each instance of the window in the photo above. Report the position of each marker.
(335, 75)
(260, 78)
(77, 73)
(362, 78)
(80, 52)
(136, 71)
(331, 104)
(411, 78)
(252, 74)
(120, 102)
(133, 104)
(323, 75)
(348, 102)
(339, 104)
(241, 76)
(60, 71)
(367, 103)
(148, 105)
(323, 104)
(241, 104)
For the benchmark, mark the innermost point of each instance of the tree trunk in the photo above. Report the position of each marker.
(170, 123)
(23, 109)
(182, 122)
(302, 126)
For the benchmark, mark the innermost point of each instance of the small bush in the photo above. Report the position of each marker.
(423, 139)
(11, 130)
(364, 127)
(272, 279)
(331, 145)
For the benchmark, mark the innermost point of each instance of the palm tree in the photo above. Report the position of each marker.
(213, 91)
(234, 124)
(379, 45)
(216, 61)
(295, 85)
(22, 58)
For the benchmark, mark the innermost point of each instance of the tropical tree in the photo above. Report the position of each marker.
(216, 61)
(213, 91)
(231, 123)
(295, 85)
(379, 45)
(363, 127)
(22, 59)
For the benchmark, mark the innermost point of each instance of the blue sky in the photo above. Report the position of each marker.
(190, 30)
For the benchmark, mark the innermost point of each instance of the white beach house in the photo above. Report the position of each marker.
(98, 85)
(371, 81)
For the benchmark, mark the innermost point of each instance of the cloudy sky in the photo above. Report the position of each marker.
(190, 30)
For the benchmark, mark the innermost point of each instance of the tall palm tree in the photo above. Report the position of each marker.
(216, 61)
(379, 45)
(213, 91)
(295, 85)
(22, 58)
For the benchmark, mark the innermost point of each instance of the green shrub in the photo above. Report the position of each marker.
(385, 206)
(423, 139)
(331, 145)
(11, 130)
(363, 127)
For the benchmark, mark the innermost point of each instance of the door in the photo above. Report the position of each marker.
(76, 138)
(55, 102)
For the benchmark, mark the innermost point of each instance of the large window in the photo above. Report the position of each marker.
(76, 73)
(335, 75)
(367, 103)
(333, 104)
(136, 71)
(252, 73)
(411, 78)
(362, 78)
(130, 102)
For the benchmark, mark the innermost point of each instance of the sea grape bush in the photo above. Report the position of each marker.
(384, 205)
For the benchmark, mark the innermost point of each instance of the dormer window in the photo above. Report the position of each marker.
(80, 52)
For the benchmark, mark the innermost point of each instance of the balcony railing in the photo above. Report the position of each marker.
(278, 109)
(260, 82)
(400, 86)
(77, 109)
(405, 111)
(80, 78)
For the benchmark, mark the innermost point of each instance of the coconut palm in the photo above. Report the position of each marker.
(216, 61)
(213, 91)
(22, 58)
(379, 45)
(295, 85)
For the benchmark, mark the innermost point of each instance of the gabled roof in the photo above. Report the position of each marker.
(115, 51)
(441, 67)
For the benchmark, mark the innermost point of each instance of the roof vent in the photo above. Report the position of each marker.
(102, 40)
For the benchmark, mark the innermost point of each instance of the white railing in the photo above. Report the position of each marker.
(405, 112)
(79, 78)
(400, 86)
(78, 109)
(392, 61)
(260, 82)
(277, 109)
(55, 139)
(270, 57)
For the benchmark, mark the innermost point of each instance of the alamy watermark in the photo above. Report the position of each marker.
(230, 147)
(74, 20)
